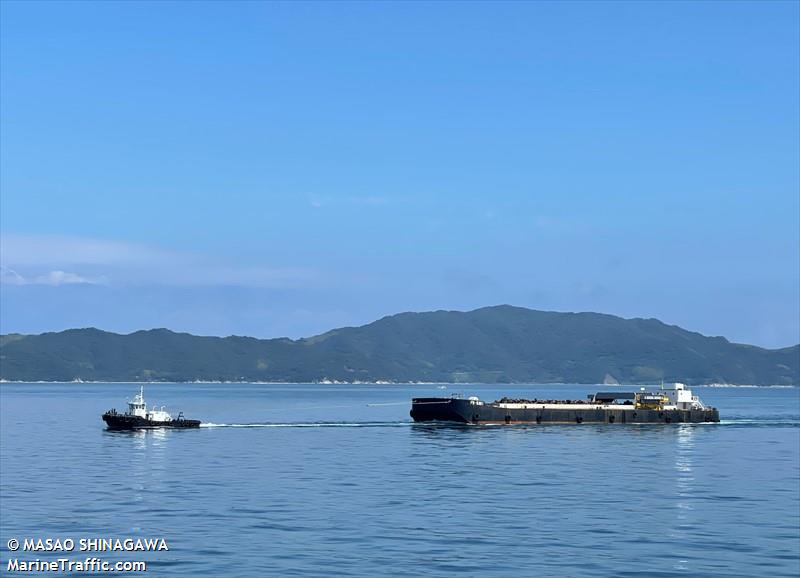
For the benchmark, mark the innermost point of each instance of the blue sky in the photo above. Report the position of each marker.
(280, 169)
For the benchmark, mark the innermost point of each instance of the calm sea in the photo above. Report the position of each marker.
(334, 480)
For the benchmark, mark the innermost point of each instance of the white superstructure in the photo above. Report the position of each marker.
(138, 407)
(680, 397)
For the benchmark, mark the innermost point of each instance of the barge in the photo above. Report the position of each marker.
(673, 403)
(139, 417)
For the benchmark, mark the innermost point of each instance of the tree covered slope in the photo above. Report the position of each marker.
(494, 344)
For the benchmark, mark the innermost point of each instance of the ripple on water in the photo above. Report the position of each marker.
(361, 491)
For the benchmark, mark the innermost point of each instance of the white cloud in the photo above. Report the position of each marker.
(61, 260)
(54, 278)
(11, 277)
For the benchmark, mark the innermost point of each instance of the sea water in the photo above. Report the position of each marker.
(335, 480)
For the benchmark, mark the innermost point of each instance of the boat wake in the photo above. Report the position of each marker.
(761, 422)
(312, 424)
(387, 424)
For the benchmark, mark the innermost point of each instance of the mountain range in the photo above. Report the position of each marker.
(501, 344)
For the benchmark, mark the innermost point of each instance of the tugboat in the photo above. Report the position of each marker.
(139, 417)
(671, 404)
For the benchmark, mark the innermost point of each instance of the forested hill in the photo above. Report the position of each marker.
(494, 344)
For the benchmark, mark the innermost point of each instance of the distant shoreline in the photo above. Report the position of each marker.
(437, 383)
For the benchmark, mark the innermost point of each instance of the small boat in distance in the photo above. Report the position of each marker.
(670, 404)
(139, 417)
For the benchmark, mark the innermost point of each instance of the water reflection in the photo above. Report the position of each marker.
(684, 491)
(146, 460)
(140, 439)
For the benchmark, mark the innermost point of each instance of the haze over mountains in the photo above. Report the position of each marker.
(501, 344)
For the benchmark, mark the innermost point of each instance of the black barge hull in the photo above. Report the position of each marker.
(467, 411)
(119, 421)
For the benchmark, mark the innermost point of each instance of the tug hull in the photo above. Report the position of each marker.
(121, 421)
(477, 412)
